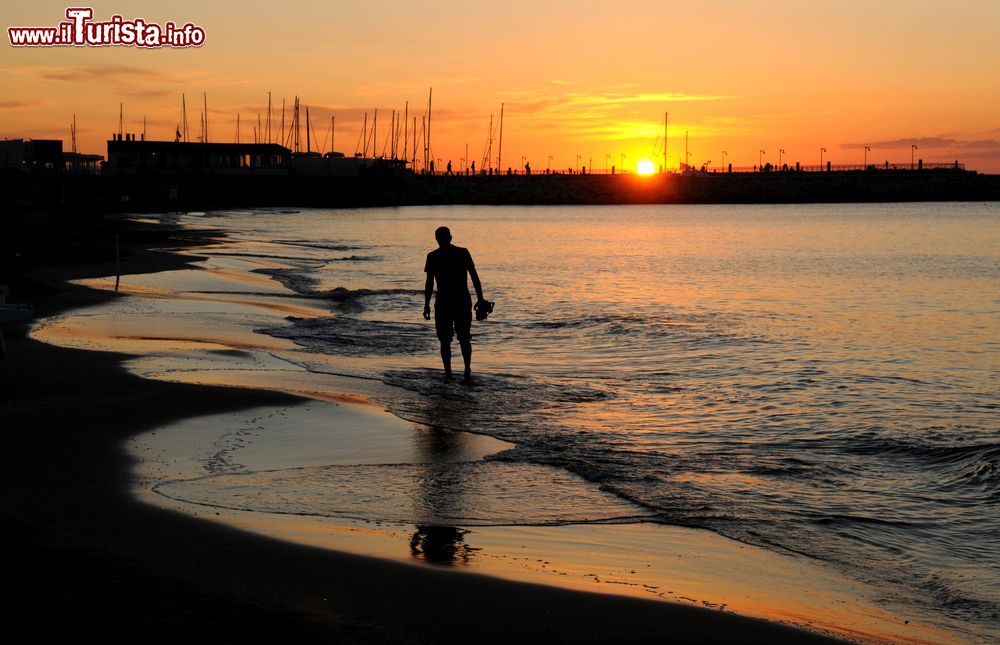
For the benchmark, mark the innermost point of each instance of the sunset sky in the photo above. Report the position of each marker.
(577, 78)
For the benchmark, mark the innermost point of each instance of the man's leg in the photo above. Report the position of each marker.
(446, 358)
(444, 327)
(463, 330)
(466, 346)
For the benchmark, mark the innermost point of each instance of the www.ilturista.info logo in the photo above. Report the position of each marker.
(80, 30)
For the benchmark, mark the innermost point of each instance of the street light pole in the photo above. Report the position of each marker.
(760, 161)
(724, 153)
(866, 156)
(821, 151)
(781, 151)
(912, 148)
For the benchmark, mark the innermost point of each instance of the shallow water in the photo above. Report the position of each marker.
(820, 379)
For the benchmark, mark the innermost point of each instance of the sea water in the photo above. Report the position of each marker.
(819, 379)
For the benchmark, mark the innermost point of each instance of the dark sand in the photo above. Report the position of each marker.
(84, 558)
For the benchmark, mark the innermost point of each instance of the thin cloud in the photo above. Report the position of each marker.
(581, 104)
(929, 143)
(107, 74)
(650, 97)
(13, 105)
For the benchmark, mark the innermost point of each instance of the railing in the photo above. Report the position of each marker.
(872, 167)
(767, 168)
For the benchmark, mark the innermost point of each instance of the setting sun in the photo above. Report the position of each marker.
(645, 167)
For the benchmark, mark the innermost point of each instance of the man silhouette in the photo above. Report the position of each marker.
(450, 266)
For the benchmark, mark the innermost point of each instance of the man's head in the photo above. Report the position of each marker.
(443, 236)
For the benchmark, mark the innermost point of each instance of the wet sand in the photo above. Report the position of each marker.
(93, 559)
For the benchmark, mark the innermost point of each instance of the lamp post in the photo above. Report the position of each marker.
(760, 161)
(781, 151)
(549, 167)
(623, 163)
(724, 153)
(912, 149)
(867, 148)
(607, 157)
(578, 164)
(821, 151)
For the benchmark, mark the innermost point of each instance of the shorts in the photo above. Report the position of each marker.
(453, 319)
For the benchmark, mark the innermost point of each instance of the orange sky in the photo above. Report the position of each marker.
(577, 78)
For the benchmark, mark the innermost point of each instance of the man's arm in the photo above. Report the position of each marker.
(428, 290)
(475, 277)
(475, 283)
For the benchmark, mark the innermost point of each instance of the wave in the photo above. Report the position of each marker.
(325, 246)
(302, 282)
(478, 493)
(343, 335)
(341, 294)
(297, 280)
(356, 258)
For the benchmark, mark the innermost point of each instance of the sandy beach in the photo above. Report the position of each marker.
(91, 559)
(94, 558)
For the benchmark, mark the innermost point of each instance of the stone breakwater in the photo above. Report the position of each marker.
(215, 191)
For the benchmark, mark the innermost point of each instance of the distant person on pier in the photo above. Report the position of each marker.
(449, 168)
(450, 267)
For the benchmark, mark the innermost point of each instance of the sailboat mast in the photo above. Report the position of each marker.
(297, 124)
(74, 133)
(666, 118)
(489, 145)
(406, 120)
(308, 145)
(500, 143)
(427, 144)
(184, 110)
(269, 117)
(206, 117)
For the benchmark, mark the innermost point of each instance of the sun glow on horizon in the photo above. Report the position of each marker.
(645, 167)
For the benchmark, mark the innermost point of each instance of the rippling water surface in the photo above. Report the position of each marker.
(822, 379)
